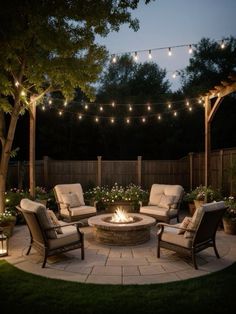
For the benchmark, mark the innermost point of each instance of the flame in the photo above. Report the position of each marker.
(120, 215)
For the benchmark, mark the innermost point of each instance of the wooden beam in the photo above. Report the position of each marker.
(214, 109)
(207, 140)
(224, 92)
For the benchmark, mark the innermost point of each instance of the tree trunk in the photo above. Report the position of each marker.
(5, 154)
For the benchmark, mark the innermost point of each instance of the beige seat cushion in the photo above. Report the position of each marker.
(177, 239)
(83, 210)
(158, 211)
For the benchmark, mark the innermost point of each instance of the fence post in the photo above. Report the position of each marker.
(221, 153)
(191, 170)
(139, 170)
(99, 171)
(45, 170)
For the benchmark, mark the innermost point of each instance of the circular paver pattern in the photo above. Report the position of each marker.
(104, 264)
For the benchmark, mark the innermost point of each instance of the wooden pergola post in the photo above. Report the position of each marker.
(218, 93)
(32, 129)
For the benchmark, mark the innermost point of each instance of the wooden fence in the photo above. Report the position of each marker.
(187, 171)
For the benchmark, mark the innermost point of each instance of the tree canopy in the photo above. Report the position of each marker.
(48, 46)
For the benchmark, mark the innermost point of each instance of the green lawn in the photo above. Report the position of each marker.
(21, 292)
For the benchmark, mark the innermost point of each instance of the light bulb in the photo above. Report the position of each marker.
(86, 107)
(159, 117)
(80, 116)
(130, 108)
(169, 52)
(43, 108)
(174, 75)
(96, 119)
(23, 93)
(175, 113)
(60, 113)
(150, 54)
(190, 108)
(65, 103)
(114, 59)
(50, 102)
(190, 49)
(101, 108)
(127, 120)
(143, 120)
(112, 120)
(187, 103)
(222, 45)
(113, 104)
(149, 108)
(17, 83)
(136, 56)
(169, 105)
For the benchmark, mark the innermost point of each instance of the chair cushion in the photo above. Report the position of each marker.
(158, 190)
(69, 188)
(83, 210)
(166, 201)
(157, 211)
(55, 221)
(184, 224)
(43, 217)
(177, 239)
(69, 236)
(194, 223)
(71, 199)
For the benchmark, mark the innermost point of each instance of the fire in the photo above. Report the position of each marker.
(120, 215)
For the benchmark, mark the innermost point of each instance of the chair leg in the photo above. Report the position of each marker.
(194, 260)
(45, 258)
(215, 249)
(158, 249)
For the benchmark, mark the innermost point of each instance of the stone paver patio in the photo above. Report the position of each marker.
(105, 264)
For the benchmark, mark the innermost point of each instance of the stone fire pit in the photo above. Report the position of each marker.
(129, 233)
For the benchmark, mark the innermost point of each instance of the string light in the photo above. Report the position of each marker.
(127, 120)
(114, 59)
(113, 104)
(50, 102)
(136, 56)
(169, 52)
(17, 84)
(190, 49)
(23, 93)
(86, 107)
(65, 103)
(174, 75)
(101, 108)
(150, 54)
(222, 45)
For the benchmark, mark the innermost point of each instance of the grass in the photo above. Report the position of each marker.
(21, 292)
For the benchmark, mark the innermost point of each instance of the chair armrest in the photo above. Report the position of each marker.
(161, 225)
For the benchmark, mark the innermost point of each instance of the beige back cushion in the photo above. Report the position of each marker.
(158, 190)
(75, 188)
(43, 218)
(71, 199)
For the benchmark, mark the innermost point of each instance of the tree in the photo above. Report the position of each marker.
(46, 47)
(209, 65)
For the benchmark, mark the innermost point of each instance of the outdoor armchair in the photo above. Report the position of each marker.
(49, 236)
(70, 200)
(194, 236)
(164, 202)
